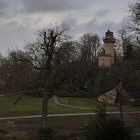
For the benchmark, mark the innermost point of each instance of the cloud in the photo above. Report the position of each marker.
(20, 19)
(55, 5)
(13, 36)
(2, 8)
(102, 13)
(93, 26)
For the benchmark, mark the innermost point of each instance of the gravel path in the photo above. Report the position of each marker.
(56, 101)
(63, 115)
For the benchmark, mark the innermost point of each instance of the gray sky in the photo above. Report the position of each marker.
(20, 19)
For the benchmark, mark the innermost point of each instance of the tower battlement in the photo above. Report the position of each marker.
(109, 38)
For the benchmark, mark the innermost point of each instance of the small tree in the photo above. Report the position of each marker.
(15, 78)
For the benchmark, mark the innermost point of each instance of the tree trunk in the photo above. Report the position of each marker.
(119, 92)
(14, 107)
(121, 105)
(45, 108)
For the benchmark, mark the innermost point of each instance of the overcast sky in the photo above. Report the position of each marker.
(20, 19)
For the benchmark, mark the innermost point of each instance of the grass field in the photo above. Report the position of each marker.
(32, 105)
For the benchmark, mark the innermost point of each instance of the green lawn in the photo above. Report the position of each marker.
(26, 104)
(32, 105)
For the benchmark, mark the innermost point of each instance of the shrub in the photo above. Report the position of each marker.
(104, 127)
(109, 129)
(2, 132)
(45, 134)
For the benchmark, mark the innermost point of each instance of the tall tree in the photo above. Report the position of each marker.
(126, 43)
(135, 16)
(133, 25)
(90, 44)
(42, 54)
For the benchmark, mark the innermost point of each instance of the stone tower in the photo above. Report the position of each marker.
(107, 59)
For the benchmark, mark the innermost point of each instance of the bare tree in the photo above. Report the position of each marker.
(126, 44)
(90, 44)
(133, 24)
(43, 54)
(135, 16)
